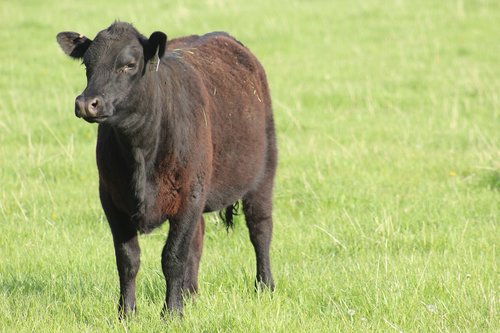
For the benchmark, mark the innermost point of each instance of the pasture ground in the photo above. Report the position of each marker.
(387, 195)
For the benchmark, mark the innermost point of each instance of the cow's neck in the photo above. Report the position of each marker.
(139, 137)
(154, 135)
(144, 126)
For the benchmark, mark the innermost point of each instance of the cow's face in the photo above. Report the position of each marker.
(115, 61)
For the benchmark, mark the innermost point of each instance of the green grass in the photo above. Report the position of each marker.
(387, 195)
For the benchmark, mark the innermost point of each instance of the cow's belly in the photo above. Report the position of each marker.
(236, 171)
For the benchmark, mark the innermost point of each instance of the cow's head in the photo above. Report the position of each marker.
(115, 62)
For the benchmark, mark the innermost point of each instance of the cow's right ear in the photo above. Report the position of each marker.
(73, 43)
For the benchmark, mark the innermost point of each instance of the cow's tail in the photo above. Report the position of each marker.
(227, 215)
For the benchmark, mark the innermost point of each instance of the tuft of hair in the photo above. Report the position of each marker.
(227, 215)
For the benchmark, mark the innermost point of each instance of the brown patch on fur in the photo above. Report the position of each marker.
(169, 192)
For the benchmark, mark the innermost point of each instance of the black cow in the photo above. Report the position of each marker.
(184, 128)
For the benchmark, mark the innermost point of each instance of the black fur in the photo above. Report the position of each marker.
(228, 213)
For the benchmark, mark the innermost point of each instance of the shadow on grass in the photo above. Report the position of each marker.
(490, 180)
(26, 285)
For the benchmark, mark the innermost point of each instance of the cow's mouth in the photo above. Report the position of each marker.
(97, 119)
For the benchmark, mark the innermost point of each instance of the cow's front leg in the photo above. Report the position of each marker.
(190, 283)
(127, 253)
(175, 259)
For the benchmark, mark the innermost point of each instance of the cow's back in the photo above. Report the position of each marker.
(239, 112)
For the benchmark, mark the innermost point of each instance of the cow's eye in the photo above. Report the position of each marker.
(130, 66)
(127, 67)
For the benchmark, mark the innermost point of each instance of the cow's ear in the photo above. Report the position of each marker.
(73, 43)
(155, 48)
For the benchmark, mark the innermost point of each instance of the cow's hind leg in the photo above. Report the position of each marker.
(127, 254)
(190, 283)
(257, 207)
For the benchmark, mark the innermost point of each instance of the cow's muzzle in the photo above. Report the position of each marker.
(90, 109)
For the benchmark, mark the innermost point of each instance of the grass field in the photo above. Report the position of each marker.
(387, 194)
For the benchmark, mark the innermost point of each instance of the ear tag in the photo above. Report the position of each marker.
(154, 64)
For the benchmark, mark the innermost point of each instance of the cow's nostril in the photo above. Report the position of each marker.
(93, 106)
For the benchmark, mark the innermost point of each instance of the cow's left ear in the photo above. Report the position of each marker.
(73, 43)
(155, 49)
